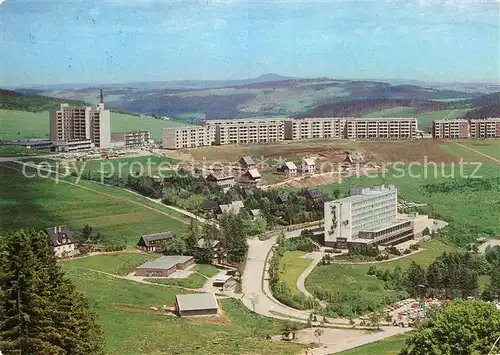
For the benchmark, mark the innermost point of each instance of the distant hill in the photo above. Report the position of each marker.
(269, 95)
(360, 107)
(12, 100)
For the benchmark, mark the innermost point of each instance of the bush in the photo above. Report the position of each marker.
(415, 246)
(393, 250)
(407, 251)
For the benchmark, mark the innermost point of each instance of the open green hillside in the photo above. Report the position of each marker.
(120, 216)
(15, 124)
(131, 327)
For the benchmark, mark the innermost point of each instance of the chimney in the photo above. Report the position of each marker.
(102, 96)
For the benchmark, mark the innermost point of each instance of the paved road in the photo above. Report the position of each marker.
(316, 258)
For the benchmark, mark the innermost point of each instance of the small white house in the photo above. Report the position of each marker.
(308, 165)
(62, 242)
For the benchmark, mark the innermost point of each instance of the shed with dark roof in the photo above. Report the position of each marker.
(151, 242)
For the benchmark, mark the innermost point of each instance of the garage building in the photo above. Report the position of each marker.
(164, 266)
(196, 304)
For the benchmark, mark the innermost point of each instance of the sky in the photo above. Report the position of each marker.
(119, 41)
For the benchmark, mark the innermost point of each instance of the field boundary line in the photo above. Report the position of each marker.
(109, 196)
(477, 151)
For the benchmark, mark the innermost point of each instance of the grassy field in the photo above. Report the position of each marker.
(388, 346)
(291, 267)
(131, 327)
(194, 280)
(118, 264)
(17, 151)
(148, 165)
(206, 270)
(117, 214)
(330, 150)
(489, 147)
(353, 278)
(478, 210)
(23, 124)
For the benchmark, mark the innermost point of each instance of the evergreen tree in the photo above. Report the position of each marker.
(493, 286)
(42, 313)
(192, 236)
(415, 279)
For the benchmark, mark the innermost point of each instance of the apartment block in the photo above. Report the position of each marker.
(485, 128)
(314, 128)
(251, 131)
(187, 137)
(244, 131)
(448, 129)
(70, 123)
(131, 139)
(368, 216)
(371, 128)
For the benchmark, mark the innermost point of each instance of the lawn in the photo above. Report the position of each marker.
(17, 151)
(194, 280)
(131, 327)
(488, 147)
(291, 267)
(23, 124)
(201, 273)
(388, 346)
(353, 280)
(206, 270)
(122, 167)
(118, 264)
(117, 214)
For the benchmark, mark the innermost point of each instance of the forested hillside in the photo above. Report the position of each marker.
(12, 100)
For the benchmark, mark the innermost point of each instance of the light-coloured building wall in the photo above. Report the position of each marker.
(449, 129)
(314, 128)
(81, 123)
(363, 209)
(186, 137)
(372, 128)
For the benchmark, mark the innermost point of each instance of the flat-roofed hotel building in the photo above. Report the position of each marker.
(369, 216)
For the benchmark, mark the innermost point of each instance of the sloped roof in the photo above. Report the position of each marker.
(254, 173)
(196, 301)
(58, 233)
(210, 205)
(309, 161)
(283, 198)
(218, 176)
(314, 193)
(238, 204)
(201, 243)
(290, 165)
(165, 262)
(149, 238)
(247, 160)
(255, 212)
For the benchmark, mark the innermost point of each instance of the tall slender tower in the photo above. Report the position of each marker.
(102, 96)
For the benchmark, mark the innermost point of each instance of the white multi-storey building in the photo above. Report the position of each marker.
(363, 128)
(314, 128)
(187, 137)
(70, 124)
(368, 216)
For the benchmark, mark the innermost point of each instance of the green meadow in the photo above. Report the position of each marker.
(119, 215)
(15, 124)
(131, 327)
